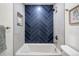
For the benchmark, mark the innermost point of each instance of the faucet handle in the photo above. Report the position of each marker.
(56, 37)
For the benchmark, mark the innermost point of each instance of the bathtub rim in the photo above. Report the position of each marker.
(55, 54)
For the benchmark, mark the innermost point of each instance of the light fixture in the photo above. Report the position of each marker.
(39, 11)
(39, 8)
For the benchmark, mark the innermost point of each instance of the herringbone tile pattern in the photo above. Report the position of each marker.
(38, 24)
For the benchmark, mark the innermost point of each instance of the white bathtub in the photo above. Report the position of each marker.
(38, 49)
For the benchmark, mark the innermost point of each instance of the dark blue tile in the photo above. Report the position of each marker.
(38, 23)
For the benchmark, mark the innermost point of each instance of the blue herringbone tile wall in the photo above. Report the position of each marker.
(38, 23)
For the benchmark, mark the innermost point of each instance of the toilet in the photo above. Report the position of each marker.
(68, 51)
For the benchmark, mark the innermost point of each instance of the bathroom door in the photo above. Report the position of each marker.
(38, 23)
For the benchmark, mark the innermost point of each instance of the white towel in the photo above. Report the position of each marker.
(2, 39)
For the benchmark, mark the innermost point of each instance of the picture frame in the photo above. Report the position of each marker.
(74, 15)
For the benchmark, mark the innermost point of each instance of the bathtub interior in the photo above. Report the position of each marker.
(38, 49)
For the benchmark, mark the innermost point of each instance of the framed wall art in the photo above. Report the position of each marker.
(74, 15)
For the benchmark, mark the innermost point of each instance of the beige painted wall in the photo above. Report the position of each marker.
(6, 19)
(71, 31)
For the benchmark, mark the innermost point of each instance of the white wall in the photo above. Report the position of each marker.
(6, 19)
(18, 31)
(71, 31)
(59, 23)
